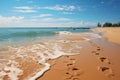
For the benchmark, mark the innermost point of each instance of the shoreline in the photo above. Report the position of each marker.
(83, 56)
(83, 72)
(111, 34)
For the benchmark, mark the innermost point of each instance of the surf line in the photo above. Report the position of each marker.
(56, 54)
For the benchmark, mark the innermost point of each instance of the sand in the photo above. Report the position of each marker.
(95, 58)
(98, 60)
(112, 34)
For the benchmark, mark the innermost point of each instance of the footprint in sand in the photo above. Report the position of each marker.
(106, 70)
(104, 59)
(72, 59)
(77, 72)
(68, 76)
(75, 79)
(95, 52)
(73, 74)
(71, 77)
(69, 64)
(74, 69)
(66, 59)
(67, 56)
(103, 68)
(98, 48)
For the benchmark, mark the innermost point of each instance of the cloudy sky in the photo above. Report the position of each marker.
(58, 13)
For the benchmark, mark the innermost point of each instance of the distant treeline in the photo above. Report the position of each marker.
(108, 24)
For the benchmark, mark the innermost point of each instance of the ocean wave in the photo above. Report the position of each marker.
(25, 34)
(32, 33)
(20, 33)
(91, 35)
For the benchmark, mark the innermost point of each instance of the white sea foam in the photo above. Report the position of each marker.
(12, 71)
(41, 72)
(2, 74)
(92, 36)
(63, 33)
(57, 53)
(87, 39)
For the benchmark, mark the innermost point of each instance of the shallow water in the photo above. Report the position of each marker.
(14, 37)
(20, 33)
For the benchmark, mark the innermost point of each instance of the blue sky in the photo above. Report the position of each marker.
(58, 13)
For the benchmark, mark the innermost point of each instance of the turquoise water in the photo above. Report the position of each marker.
(21, 33)
(17, 36)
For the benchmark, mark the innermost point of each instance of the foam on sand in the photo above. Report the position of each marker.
(91, 36)
(57, 53)
(40, 73)
(2, 74)
(63, 33)
(11, 71)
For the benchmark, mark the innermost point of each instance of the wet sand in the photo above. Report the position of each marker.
(83, 59)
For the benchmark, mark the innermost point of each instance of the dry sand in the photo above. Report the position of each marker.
(112, 34)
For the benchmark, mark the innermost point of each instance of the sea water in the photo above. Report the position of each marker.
(21, 36)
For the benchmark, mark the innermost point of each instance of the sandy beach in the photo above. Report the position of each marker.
(59, 40)
(96, 61)
(84, 56)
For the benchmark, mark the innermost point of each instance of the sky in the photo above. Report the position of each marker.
(58, 13)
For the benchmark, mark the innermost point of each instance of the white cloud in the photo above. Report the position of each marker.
(67, 13)
(24, 9)
(43, 15)
(81, 24)
(64, 8)
(59, 24)
(55, 19)
(19, 21)
(59, 8)
(63, 19)
(9, 20)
